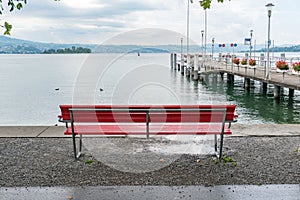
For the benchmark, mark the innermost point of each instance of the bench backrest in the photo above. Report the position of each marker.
(144, 113)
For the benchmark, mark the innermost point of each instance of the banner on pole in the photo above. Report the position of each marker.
(247, 41)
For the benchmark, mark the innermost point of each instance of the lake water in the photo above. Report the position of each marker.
(33, 86)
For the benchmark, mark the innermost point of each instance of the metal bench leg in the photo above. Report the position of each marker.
(80, 146)
(77, 155)
(219, 153)
(216, 144)
(74, 145)
(221, 145)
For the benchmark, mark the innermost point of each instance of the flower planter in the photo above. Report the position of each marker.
(252, 62)
(282, 65)
(244, 62)
(296, 68)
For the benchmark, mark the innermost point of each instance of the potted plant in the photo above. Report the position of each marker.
(282, 65)
(296, 66)
(252, 62)
(244, 61)
(236, 61)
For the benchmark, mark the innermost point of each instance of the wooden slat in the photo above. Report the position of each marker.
(140, 117)
(155, 129)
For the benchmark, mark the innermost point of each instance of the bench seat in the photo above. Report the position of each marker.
(140, 129)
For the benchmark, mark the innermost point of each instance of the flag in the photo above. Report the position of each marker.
(247, 41)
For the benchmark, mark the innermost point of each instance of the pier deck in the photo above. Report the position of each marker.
(287, 80)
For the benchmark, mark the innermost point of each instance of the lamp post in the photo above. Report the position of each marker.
(188, 27)
(251, 35)
(205, 31)
(202, 47)
(205, 34)
(269, 8)
(181, 54)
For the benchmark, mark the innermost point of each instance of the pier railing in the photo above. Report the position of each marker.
(195, 65)
(227, 61)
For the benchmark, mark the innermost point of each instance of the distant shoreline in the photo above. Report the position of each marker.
(16, 46)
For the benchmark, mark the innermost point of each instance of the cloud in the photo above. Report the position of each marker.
(85, 9)
(92, 20)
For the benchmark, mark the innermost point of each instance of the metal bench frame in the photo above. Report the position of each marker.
(147, 122)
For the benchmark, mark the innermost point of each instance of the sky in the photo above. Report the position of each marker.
(98, 21)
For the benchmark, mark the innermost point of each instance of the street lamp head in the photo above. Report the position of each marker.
(269, 8)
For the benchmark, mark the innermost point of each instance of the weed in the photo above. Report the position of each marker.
(89, 162)
(228, 159)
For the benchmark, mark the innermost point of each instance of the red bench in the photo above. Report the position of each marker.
(148, 120)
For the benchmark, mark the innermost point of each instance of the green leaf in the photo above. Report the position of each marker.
(205, 4)
(6, 33)
(8, 28)
(11, 4)
(89, 162)
(19, 6)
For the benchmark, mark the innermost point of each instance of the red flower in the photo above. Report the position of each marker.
(296, 66)
(252, 62)
(236, 61)
(282, 65)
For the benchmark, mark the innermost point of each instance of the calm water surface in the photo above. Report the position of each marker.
(32, 87)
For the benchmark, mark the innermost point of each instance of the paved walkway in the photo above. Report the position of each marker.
(239, 130)
(287, 192)
(245, 192)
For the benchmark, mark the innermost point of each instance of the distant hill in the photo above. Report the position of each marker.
(10, 45)
(295, 48)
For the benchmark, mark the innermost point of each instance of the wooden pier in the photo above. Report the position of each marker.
(277, 78)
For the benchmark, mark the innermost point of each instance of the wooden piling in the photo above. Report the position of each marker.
(277, 91)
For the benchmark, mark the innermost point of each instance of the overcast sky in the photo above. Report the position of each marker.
(95, 21)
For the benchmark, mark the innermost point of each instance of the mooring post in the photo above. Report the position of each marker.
(182, 66)
(277, 90)
(171, 60)
(291, 93)
(265, 87)
(222, 75)
(230, 78)
(247, 83)
(188, 68)
(175, 61)
(188, 72)
(195, 73)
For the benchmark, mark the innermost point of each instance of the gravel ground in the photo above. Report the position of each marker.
(49, 162)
